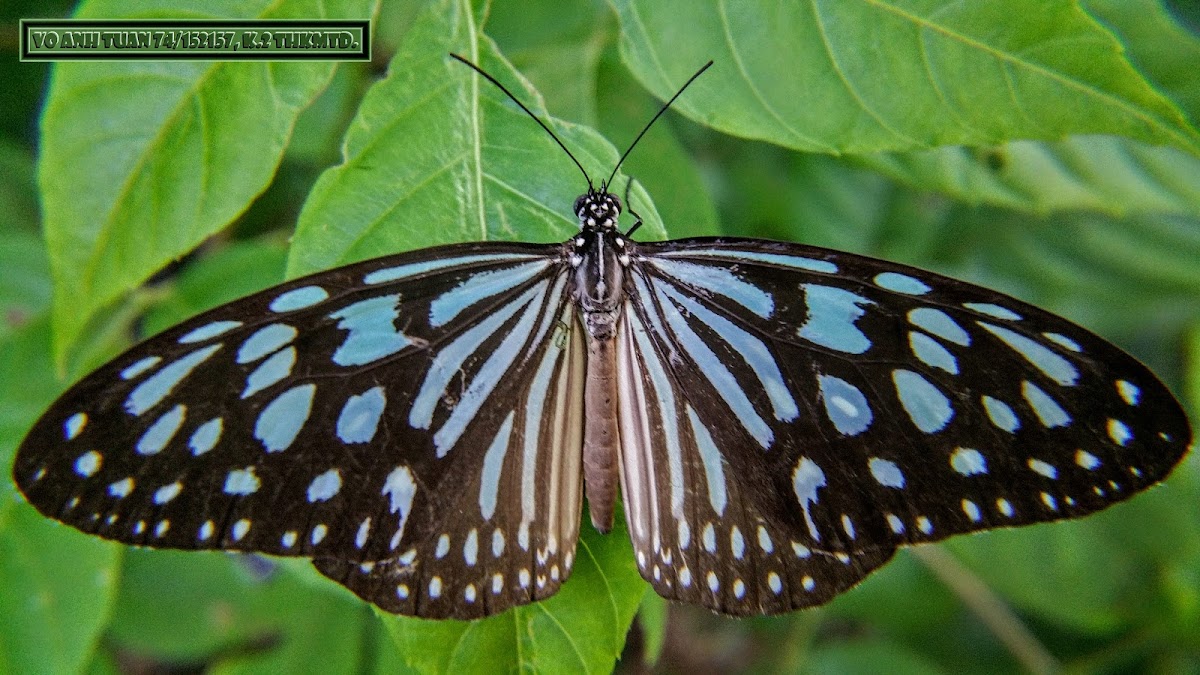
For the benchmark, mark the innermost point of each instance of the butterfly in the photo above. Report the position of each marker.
(778, 420)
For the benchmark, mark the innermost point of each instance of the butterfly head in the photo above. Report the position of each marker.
(597, 210)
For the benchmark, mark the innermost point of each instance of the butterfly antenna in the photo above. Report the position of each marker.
(654, 119)
(535, 117)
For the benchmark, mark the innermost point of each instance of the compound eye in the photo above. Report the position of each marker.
(579, 202)
(615, 203)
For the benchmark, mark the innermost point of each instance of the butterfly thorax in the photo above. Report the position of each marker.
(599, 255)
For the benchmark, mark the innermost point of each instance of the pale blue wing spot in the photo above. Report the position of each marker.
(208, 331)
(273, 370)
(1051, 364)
(265, 341)
(831, 316)
(1087, 460)
(807, 478)
(710, 458)
(1048, 411)
(737, 543)
(121, 489)
(489, 481)
(719, 281)
(972, 510)
(156, 387)
(968, 462)
(792, 261)
(931, 352)
(845, 405)
(425, 266)
(478, 287)
(241, 482)
(325, 486)
(360, 416)
(1043, 468)
(74, 425)
(993, 310)
(938, 323)
(901, 283)
(88, 463)
(1063, 341)
(471, 548)
(1119, 432)
(926, 405)
(140, 366)
(372, 331)
(886, 473)
(168, 492)
(280, 422)
(162, 431)
(205, 437)
(299, 298)
(1001, 414)
(1130, 393)
(400, 489)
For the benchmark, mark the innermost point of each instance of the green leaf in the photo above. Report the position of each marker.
(143, 160)
(1158, 45)
(56, 587)
(438, 155)
(1102, 173)
(25, 287)
(873, 75)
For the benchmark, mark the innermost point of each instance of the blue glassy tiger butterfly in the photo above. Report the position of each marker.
(779, 419)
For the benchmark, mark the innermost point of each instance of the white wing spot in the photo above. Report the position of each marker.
(972, 510)
(1049, 501)
(289, 539)
(161, 528)
(1005, 507)
(121, 488)
(166, 493)
(88, 463)
(364, 530)
(1040, 467)
(74, 425)
(325, 486)
(318, 534)
(713, 582)
(206, 530)
(443, 546)
(1119, 432)
(240, 529)
(242, 482)
(1130, 393)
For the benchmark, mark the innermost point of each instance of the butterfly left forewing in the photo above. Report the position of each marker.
(851, 405)
(385, 413)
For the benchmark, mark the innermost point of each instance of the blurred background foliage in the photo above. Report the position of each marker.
(876, 128)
